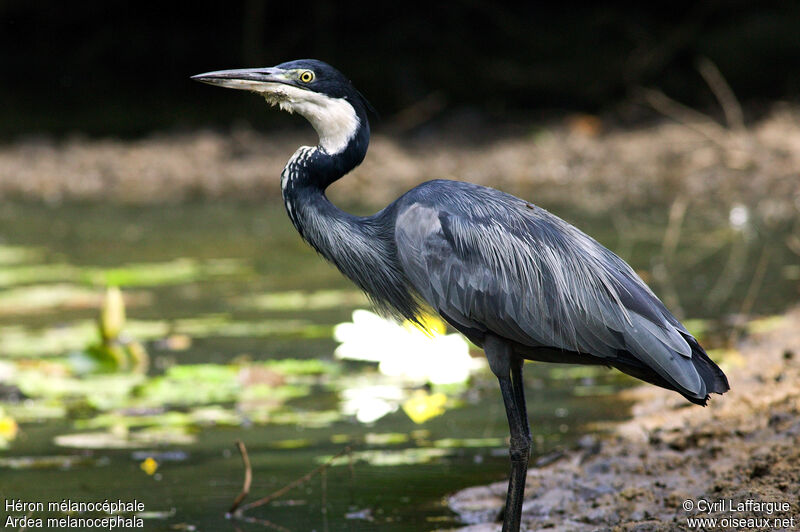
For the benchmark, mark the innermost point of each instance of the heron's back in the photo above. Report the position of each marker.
(493, 263)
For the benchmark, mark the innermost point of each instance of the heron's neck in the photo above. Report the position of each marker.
(312, 169)
(323, 225)
(361, 247)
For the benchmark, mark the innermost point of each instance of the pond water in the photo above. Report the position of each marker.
(213, 288)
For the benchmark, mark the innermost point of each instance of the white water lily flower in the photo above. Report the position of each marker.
(406, 351)
(370, 403)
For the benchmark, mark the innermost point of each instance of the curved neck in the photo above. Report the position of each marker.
(362, 248)
(343, 144)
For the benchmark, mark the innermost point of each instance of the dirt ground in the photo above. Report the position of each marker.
(745, 446)
(579, 160)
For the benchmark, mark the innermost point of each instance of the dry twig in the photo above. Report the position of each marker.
(248, 477)
(752, 290)
(723, 93)
(295, 483)
(694, 120)
(237, 508)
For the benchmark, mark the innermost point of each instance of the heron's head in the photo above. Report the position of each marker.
(311, 88)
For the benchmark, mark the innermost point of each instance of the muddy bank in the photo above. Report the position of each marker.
(745, 446)
(577, 158)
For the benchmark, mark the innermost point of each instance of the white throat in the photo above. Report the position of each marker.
(334, 119)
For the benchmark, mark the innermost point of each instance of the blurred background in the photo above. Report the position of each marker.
(156, 305)
(117, 68)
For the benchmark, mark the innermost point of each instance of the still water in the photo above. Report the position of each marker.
(401, 471)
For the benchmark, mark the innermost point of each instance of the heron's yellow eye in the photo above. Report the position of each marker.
(306, 76)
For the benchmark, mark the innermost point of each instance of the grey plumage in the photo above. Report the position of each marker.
(491, 262)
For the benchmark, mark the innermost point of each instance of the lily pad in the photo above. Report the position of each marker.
(298, 300)
(51, 462)
(222, 326)
(384, 458)
(126, 440)
(101, 391)
(460, 443)
(387, 438)
(36, 410)
(178, 271)
(18, 341)
(165, 419)
(304, 418)
(38, 298)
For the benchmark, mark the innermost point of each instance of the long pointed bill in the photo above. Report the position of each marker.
(251, 79)
(334, 118)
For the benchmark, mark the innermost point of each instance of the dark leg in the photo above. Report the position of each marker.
(507, 366)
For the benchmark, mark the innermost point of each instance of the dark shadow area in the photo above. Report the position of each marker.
(122, 67)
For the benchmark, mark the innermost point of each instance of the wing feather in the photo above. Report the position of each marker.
(503, 266)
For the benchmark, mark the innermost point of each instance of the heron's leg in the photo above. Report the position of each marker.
(507, 366)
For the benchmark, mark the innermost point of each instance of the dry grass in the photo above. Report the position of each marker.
(697, 158)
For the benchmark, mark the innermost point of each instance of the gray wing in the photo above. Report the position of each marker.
(507, 267)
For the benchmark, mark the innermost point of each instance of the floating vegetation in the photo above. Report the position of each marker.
(122, 439)
(67, 461)
(387, 438)
(272, 414)
(174, 272)
(190, 385)
(105, 389)
(17, 341)
(422, 406)
(298, 443)
(299, 300)
(460, 443)
(36, 410)
(101, 392)
(8, 429)
(390, 458)
(49, 297)
(114, 352)
(149, 465)
(221, 325)
(370, 403)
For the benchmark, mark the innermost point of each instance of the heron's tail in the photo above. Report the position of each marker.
(713, 377)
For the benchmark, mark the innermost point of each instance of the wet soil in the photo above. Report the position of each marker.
(673, 460)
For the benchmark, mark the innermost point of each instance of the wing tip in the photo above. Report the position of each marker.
(714, 379)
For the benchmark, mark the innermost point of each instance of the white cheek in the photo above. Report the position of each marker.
(334, 119)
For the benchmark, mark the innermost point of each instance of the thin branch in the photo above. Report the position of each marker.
(274, 495)
(677, 214)
(723, 93)
(755, 284)
(694, 120)
(752, 290)
(248, 477)
(793, 243)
